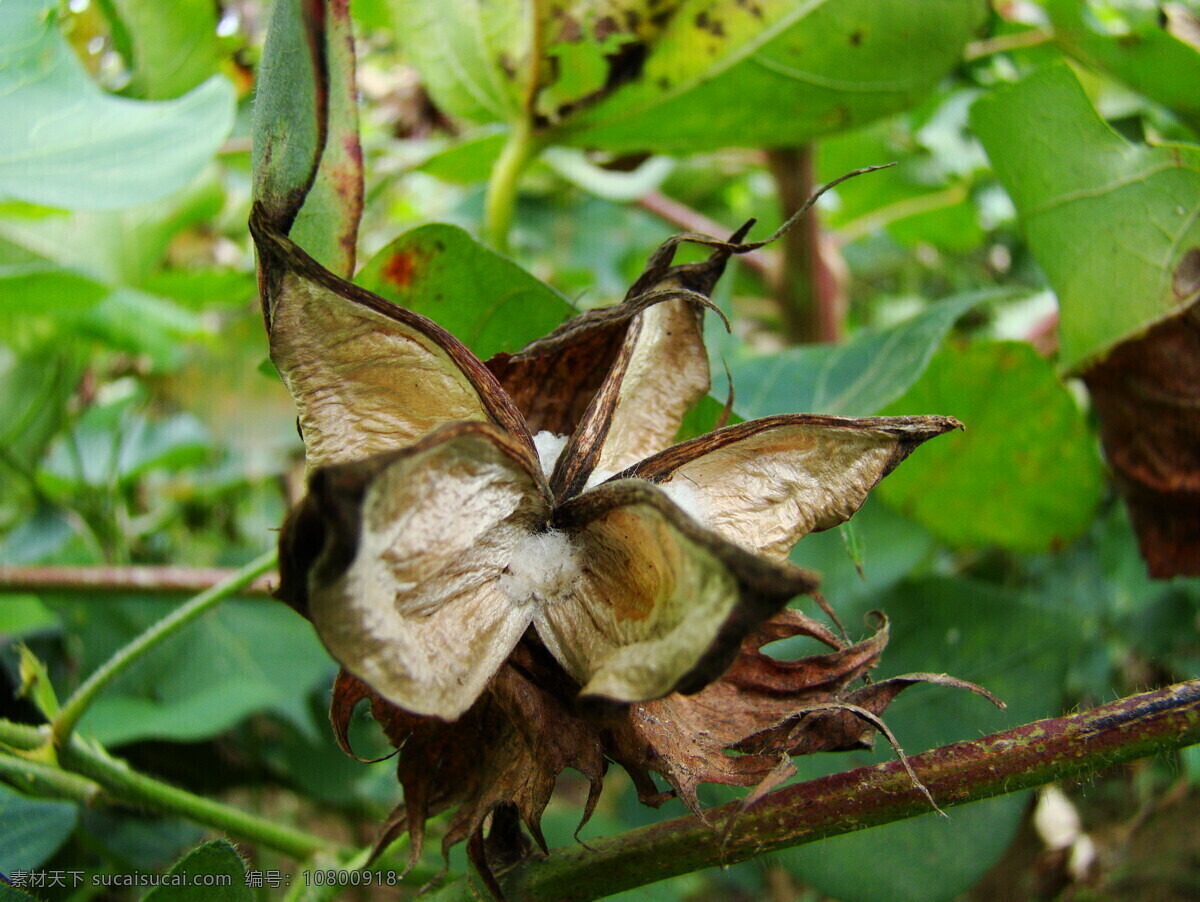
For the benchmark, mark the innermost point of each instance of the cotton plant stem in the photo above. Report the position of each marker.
(1021, 758)
(125, 580)
(501, 200)
(810, 300)
(123, 784)
(90, 775)
(75, 707)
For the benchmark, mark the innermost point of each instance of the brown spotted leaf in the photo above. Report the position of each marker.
(1146, 393)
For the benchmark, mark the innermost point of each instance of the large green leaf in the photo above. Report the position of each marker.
(778, 72)
(246, 657)
(484, 299)
(854, 379)
(33, 829)
(1025, 474)
(1135, 46)
(972, 631)
(173, 46)
(687, 75)
(211, 872)
(307, 159)
(65, 143)
(1111, 223)
(471, 53)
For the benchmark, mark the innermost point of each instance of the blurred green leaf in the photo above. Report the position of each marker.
(174, 45)
(35, 683)
(468, 52)
(245, 657)
(21, 615)
(33, 829)
(68, 144)
(113, 445)
(1025, 474)
(854, 379)
(216, 859)
(44, 289)
(978, 633)
(469, 160)
(488, 302)
(1110, 222)
(1142, 52)
(34, 390)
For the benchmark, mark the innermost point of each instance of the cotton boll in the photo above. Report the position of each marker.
(685, 496)
(543, 569)
(597, 477)
(549, 446)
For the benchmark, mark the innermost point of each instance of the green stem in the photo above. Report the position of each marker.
(126, 785)
(47, 781)
(86, 768)
(500, 204)
(75, 707)
(1020, 758)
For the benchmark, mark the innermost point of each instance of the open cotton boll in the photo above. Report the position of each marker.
(685, 496)
(549, 446)
(543, 569)
(597, 477)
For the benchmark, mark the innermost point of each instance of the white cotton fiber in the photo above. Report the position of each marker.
(686, 497)
(543, 569)
(549, 447)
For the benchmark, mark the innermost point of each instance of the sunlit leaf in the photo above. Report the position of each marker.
(68, 144)
(1111, 223)
(174, 46)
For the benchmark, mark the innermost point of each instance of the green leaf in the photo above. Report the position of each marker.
(21, 615)
(33, 829)
(686, 76)
(1025, 474)
(978, 633)
(68, 144)
(211, 872)
(470, 53)
(174, 46)
(38, 290)
(245, 657)
(777, 72)
(1110, 223)
(468, 160)
(34, 390)
(854, 379)
(307, 159)
(35, 683)
(12, 894)
(487, 301)
(1138, 50)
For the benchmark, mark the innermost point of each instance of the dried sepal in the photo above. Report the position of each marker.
(367, 375)
(661, 604)
(408, 591)
(766, 483)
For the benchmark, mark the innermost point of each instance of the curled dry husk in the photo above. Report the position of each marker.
(509, 613)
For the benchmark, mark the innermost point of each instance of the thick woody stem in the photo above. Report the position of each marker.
(1021, 758)
(810, 300)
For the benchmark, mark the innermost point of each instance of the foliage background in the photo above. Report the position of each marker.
(138, 423)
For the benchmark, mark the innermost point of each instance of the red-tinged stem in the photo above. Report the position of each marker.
(125, 580)
(811, 302)
(1021, 758)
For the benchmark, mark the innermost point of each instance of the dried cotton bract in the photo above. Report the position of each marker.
(521, 573)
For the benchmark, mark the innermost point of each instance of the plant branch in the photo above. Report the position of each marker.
(89, 774)
(810, 300)
(75, 707)
(125, 579)
(1016, 759)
